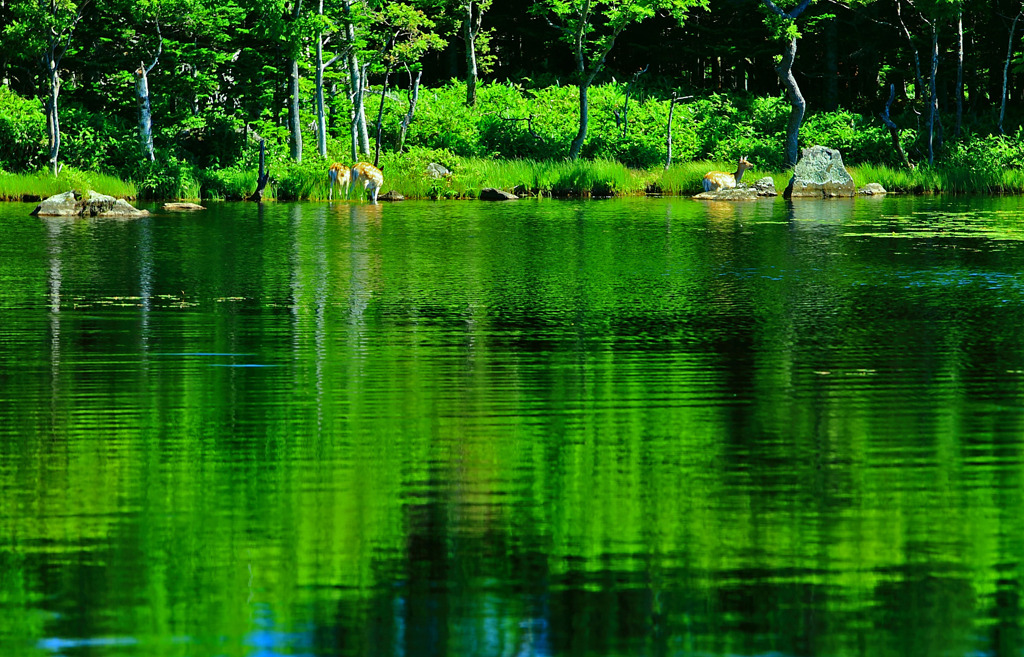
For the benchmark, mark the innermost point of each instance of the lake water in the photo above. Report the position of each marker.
(630, 427)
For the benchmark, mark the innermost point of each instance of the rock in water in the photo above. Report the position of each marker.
(872, 189)
(491, 194)
(182, 207)
(729, 194)
(820, 174)
(766, 187)
(91, 204)
(61, 205)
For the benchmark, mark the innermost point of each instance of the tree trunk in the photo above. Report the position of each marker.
(332, 112)
(625, 104)
(933, 103)
(52, 113)
(831, 65)
(919, 86)
(1006, 72)
(894, 132)
(145, 106)
(263, 177)
(471, 70)
(675, 100)
(354, 134)
(959, 74)
(380, 118)
(668, 140)
(145, 112)
(798, 106)
(581, 134)
(321, 113)
(357, 80)
(296, 121)
(414, 95)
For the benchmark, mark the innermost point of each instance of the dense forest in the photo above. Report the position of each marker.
(149, 89)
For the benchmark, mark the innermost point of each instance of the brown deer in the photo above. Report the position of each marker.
(369, 176)
(716, 180)
(338, 175)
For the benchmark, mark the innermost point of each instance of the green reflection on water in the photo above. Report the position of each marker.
(645, 426)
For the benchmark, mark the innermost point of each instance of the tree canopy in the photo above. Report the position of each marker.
(236, 68)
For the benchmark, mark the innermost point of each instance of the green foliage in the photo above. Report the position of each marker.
(22, 132)
(307, 180)
(170, 178)
(854, 136)
(235, 183)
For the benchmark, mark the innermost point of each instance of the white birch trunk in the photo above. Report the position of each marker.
(145, 112)
(471, 70)
(1006, 72)
(321, 113)
(356, 77)
(53, 114)
(296, 121)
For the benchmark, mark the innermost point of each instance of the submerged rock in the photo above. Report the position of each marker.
(90, 204)
(491, 194)
(820, 174)
(182, 207)
(729, 194)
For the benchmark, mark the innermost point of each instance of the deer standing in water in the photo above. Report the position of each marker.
(716, 180)
(338, 175)
(370, 177)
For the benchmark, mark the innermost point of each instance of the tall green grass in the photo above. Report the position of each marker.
(43, 184)
(559, 178)
(686, 178)
(945, 180)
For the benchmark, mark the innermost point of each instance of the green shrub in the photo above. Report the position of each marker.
(22, 132)
(170, 177)
(851, 134)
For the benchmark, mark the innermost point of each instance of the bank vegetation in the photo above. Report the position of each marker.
(174, 99)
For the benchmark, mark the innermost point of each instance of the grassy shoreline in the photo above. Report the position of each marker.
(530, 178)
(42, 184)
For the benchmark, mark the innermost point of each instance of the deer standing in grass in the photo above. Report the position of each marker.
(338, 175)
(716, 180)
(370, 177)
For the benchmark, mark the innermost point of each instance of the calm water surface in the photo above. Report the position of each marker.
(637, 427)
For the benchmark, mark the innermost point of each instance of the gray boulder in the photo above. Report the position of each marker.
(391, 196)
(820, 174)
(491, 194)
(182, 207)
(872, 189)
(435, 170)
(729, 194)
(766, 187)
(91, 204)
(123, 210)
(61, 205)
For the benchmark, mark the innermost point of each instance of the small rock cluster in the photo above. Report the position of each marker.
(90, 204)
(819, 174)
(763, 187)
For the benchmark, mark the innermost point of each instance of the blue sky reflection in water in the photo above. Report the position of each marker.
(631, 427)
